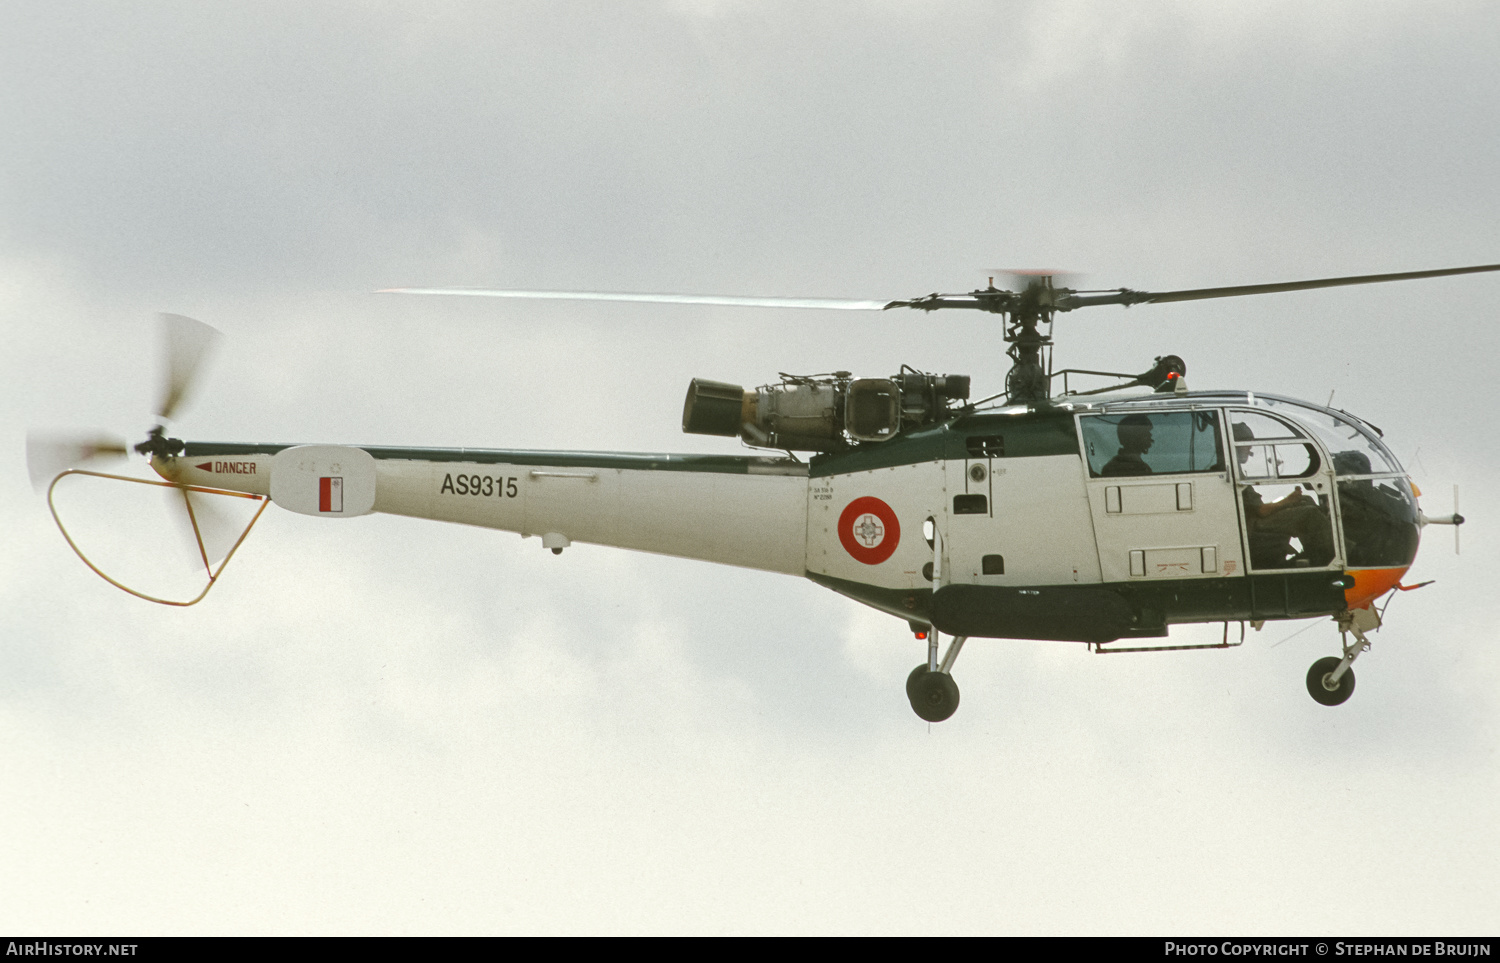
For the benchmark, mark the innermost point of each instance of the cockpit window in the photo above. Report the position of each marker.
(1277, 461)
(1267, 447)
(1158, 443)
(1380, 522)
(1262, 427)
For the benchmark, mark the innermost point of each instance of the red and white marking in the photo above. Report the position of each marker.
(330, 494)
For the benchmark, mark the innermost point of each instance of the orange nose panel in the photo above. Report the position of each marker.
(1370, 584)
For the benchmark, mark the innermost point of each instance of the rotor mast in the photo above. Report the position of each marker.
(1028, 379)
(1026, 312)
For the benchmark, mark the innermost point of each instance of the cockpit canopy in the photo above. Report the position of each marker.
(1273, 442)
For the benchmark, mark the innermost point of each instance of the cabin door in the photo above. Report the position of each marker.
(1160, 494)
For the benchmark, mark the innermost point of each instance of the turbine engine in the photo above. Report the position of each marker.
(826, 412)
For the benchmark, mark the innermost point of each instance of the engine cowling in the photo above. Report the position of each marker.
(821, 412)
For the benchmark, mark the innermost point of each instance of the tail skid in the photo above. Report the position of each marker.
(203, 553)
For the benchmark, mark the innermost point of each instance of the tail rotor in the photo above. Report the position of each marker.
(187, 345)
(213, 534)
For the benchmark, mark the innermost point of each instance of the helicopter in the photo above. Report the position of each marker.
(1100, 516)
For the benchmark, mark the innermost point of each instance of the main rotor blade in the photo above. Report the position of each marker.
(989, 299)
(49, 455)
(1127, 296)
(837, 304)
(188, 344)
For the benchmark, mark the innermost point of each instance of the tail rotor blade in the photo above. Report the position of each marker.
(47, 455)
(208, 530)
(188, 345)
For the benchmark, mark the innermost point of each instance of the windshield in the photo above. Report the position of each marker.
(1380, 522)
(1355, 450)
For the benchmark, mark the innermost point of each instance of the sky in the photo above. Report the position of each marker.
(392, 726)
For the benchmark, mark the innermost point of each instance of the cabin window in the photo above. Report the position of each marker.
(985, 446)
(1152, 443)
(970, 505)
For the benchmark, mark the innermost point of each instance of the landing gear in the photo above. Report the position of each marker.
(930, 687)
(1330, 681)
(1324, 688)
(933, 695)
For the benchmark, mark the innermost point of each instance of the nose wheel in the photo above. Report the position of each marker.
(1330, 681)
(1324, 688)
(930, 688)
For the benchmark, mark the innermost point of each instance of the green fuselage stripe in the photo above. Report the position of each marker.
(1027, 435)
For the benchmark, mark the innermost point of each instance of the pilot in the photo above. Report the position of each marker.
(1134, 432)
(1295, 516)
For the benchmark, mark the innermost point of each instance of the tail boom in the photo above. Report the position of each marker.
(743, 511)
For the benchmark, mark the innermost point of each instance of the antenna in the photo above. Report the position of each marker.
(1458, 519)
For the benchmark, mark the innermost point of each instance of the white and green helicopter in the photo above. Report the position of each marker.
(1099, 517)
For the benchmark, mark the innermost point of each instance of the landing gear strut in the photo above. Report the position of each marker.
(1330, 681)
(930, 687)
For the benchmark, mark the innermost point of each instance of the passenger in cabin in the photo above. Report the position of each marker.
(1351, 463)
(1273, 524)
(1377, 516)
(1134, 432)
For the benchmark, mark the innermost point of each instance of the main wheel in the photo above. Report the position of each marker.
(933, 695)
(1317, 682)
(913, 679)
